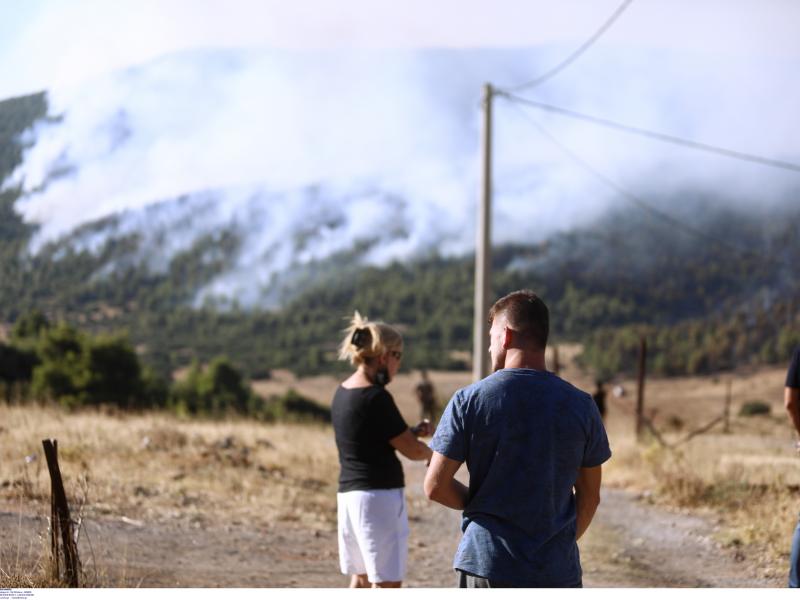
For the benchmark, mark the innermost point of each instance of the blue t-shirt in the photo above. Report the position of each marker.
(793, 374)
(523, 434)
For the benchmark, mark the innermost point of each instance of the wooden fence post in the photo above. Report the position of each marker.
(640, 391)
(727, 413)
(60, 518)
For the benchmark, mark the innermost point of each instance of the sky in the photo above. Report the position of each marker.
(47, 43)
(350, 118)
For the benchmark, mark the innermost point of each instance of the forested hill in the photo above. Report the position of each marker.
(713, 295)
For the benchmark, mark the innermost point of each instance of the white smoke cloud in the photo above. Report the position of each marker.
(390, 140)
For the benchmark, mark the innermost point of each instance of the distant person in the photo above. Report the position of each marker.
(618, 391)
(599, 397)
(426, 396)
(373, 522)
(791, 400)
(534, 447)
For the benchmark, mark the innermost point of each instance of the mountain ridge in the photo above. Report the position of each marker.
(625, 274)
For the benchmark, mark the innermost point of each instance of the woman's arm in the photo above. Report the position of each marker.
(410, 447)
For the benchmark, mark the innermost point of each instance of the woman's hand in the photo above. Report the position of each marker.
(423, 429)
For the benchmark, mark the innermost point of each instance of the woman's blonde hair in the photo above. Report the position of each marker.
(365, 340)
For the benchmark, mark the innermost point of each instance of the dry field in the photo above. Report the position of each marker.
(254, 478)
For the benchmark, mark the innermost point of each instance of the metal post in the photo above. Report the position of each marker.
(483, 248)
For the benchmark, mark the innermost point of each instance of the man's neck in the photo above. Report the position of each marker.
(519, 359)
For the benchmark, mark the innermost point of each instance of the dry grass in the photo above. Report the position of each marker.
(748, 478)
(155, 467)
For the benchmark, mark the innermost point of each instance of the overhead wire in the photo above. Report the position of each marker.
(572, 57)
(634, 199)
(672, 139)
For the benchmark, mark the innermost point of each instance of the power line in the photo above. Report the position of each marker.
(780, 164)
(572, 57)
(641, 203)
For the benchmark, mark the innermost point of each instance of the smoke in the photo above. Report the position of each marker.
(306, 153)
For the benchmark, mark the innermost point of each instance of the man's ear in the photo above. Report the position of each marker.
(508, 334)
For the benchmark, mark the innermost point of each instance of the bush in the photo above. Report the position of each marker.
(218, 389)
(155, 390)
(30, 325)
(62, 374)
(114, 374)
(75, 370)
(754, 408)
(17, 364)
(294, 408)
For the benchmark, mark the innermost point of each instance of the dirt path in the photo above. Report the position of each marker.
(630, 544)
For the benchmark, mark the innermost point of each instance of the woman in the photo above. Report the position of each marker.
(373, 523)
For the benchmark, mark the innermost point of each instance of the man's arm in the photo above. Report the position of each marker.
(791, 401)
(587, 497)
(440, 483)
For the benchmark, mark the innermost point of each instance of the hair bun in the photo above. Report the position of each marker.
(360, 337)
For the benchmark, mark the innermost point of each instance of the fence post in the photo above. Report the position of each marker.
(60, 518)
(728, 398)
(640, 391)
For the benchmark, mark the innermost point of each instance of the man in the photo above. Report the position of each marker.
(599, 397)
(426, 396)
(791, 400)
(528, 439)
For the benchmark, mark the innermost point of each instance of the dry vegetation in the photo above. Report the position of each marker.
(156, 467)
(747, 478)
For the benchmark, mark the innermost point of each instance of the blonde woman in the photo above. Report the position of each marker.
(373, 522)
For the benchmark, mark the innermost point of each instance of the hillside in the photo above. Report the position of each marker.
(713, 296)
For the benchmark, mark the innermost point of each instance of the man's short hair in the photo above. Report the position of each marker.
(526, 314)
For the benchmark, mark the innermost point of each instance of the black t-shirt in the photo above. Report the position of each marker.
(793, 375)
(364, 420)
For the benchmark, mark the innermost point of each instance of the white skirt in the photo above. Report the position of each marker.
(373, 534)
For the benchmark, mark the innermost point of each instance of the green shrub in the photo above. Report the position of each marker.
(215, 390)
(294, 408)
(17, 364)
(30, 325)
(754, 408)
(114, 373)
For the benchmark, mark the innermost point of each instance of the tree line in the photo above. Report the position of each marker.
(58, 362)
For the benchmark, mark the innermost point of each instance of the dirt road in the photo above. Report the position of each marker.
(630, 544)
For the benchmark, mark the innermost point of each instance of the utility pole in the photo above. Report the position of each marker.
(483, 247)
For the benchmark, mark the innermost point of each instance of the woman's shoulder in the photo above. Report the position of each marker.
(368, 391)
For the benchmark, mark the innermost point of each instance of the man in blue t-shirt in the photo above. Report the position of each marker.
(529, 439)
(791, 400)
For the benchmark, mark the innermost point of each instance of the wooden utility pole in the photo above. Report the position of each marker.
(483, 247)
(640, 391)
